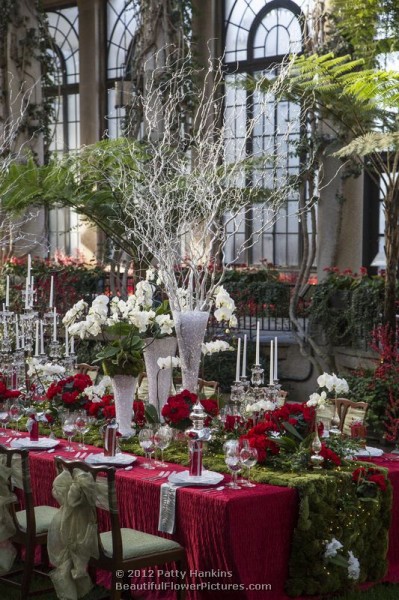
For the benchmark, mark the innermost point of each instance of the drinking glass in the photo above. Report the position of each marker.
(16, 412)
(83, 426)
(249, 458)
(162, 438)
(146, 441)
(4, 418)
(233, 462)
(69, 429)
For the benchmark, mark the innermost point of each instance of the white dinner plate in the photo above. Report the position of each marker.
(118, 459)
(207, 478)
(27, 444)
(369, 451)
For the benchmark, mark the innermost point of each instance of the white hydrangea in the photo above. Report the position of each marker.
(332, 548)
(216, 346)
(168, 362)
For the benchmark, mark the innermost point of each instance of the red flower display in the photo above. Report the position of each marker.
(367, 475)
(176, 411)
(5, 393)
(330, 457)
(69, 391)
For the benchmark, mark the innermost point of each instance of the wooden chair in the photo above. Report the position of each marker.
(348, 411)
(123, 549)
(31, 526)
(208, 388)
(86, 369)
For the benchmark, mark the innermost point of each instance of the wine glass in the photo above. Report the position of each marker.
(16, 412)
(233, 462)
(83, 426)
(146, 441)
(69, 429)
(4, 417)
(162, 438)
(249, 458)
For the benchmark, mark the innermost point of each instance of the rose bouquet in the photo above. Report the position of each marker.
(69, 393)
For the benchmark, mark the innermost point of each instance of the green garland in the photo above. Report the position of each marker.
(328, 508)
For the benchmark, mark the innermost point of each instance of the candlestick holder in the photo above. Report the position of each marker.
(237, 395)
(245, 383)
(55, 350)
(196, 435)
(258, 376)
(48, 319)
(69, 362)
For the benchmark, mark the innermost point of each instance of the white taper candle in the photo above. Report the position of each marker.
(37, 339)
(244, 358)
(66, 342)
(275, 373)
(55, 325)
(8, 291)
(51, 292)
(238, 360)
(41, 337)
(271, 364)
(257, 362)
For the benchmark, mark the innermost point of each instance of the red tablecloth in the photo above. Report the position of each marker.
(234, 539)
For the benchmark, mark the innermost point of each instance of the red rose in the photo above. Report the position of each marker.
(109, 411)
(329, 455)
(210, 407)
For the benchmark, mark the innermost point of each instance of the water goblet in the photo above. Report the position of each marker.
(16, 412)
(4, 418)
(69, 429)
(162, 438)
(249, 458)
(233, 462)
(83, 427)
(146, 441)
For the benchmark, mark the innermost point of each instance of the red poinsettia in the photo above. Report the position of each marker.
(176, 411)
(369, 475)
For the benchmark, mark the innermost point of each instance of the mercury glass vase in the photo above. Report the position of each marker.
(190, 330)
(159, 380)
(124, 387)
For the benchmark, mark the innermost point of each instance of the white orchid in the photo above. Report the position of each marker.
(168, 362)
(96, 392)
(317, 400)
(215, 347)
(165, 324)
(46, 370)
(333, 383)
(73, 313)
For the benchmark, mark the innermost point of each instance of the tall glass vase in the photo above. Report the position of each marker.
(124, 387)
(159, 380)
(190, 330)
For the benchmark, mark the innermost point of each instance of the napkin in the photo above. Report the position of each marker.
(167, 507)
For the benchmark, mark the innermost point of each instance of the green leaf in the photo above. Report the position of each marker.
(119, 329)
(151, 414)
(290, 429)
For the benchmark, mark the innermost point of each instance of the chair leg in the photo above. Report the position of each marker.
(28, 570)
(44, 556)
(115, 594)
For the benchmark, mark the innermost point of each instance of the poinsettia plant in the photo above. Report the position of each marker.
(177, 409)
(369, 482)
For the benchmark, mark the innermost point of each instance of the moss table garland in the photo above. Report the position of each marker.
(329, 507)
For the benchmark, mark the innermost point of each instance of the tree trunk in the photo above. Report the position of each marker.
(392, 258)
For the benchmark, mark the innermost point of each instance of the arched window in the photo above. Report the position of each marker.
(122, 24)
(63, 29)
(258, 34)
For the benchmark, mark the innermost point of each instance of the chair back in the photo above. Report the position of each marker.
(86, 369)
(106, 498)
(348, 411)
(208, 388)
(18, 461)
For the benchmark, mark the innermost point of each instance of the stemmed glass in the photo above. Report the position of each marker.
(249, 458)
(146, 441)
(69, 428)
(83, 426)
(162, 438)
(234, 464)
(16, 412)
(4, 417)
